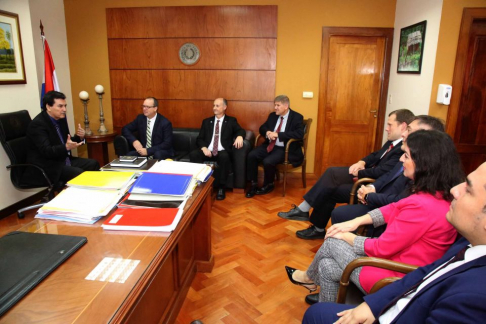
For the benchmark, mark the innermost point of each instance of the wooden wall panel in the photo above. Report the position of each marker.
(217, 53)
(209, 21)
(238, 46)
(250, 114)
(184, 84)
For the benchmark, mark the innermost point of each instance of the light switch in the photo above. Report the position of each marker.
(308, 94)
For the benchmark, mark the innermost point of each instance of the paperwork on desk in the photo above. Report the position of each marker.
(89, 197)
(145, 219)
(199, 171)
(103, 180)
(162, 187)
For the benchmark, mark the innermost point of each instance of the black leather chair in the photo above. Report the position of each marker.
(13, 129)
(184, 141)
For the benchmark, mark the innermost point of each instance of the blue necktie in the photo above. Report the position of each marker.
(58, 129)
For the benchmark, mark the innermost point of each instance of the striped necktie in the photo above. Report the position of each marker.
(149, 137)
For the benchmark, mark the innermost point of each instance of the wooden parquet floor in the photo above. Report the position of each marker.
(251, 246)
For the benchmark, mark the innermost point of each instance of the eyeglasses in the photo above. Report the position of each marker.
(147, 107)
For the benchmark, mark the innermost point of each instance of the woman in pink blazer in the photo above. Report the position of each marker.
(417, 231)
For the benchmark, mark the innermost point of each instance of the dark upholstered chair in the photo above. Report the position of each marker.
(13, 129)
(184, 141)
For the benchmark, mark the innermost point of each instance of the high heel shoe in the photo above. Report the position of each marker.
(290, 272)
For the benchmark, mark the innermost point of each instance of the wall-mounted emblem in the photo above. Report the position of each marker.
(189, 54)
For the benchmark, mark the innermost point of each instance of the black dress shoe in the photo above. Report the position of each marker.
(312, 299)
(266, 189)
(290, 271)
(295, 214)
(251, 192)
(310, 233)
(221, 194)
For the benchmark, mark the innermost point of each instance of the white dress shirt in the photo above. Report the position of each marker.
(471, 254)
(282, 129)
(220, 147)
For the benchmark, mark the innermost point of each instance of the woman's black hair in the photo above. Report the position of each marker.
(438, 167)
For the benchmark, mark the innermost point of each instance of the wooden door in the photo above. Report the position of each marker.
(466, 120)
(355, 65)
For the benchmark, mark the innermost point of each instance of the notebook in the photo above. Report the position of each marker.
(27, 258)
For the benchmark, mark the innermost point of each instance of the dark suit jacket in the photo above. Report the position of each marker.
(390, 187)
(293, 129)
(228, 132)
(46, 149)
(376, 167)
(458, 296)
(161, 133)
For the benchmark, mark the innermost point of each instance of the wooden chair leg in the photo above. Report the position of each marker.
(304, 180)
(284, 182)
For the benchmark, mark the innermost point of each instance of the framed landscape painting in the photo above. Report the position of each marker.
(12, 69)
(411, 51)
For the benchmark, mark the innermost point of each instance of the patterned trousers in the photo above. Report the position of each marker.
(328, 266)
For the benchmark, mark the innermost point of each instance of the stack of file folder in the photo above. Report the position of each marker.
(154, 203)
(89, 197)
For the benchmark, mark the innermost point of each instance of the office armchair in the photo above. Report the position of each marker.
(13, 129)
(287, 166)
(374, 262)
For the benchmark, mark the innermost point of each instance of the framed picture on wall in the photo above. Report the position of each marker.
(12, 69)
(411, 48)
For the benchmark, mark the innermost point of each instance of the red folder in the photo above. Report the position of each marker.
(143, 219)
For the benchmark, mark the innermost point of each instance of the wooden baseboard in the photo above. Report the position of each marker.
(21, 204)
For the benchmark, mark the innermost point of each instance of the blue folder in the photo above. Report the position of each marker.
(161, 184)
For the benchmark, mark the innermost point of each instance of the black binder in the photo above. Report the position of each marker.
(27, 258)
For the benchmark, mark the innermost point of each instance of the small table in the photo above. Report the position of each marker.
(98, 146)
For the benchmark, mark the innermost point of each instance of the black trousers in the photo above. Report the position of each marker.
(332, 187)
(158, 155)
(223, 159)
(349, 212)
(78, 166)
(270, 160)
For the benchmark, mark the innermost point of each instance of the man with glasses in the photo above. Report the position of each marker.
(154, 133)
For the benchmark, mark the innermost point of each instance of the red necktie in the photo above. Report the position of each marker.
(389, 149)
(216, 139)
(272, 143)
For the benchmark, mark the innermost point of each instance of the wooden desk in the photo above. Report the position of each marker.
(98, 146)
(153, 293)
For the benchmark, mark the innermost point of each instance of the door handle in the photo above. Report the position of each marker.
(373, 111)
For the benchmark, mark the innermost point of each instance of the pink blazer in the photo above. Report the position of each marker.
(417, 233)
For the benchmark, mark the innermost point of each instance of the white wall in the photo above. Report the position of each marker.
(51, 12)
(27, 96)
(412, 91)
(18, 96)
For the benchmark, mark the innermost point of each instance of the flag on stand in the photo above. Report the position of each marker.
(49, 80)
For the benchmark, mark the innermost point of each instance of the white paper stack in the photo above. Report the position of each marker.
(199, 171)
(80, 205)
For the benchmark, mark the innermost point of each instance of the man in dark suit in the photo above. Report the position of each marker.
(50, 144)
(215, 141)
(450, 290)
(154, 131)
(281, 126)
(390, 187)
(335, 184)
